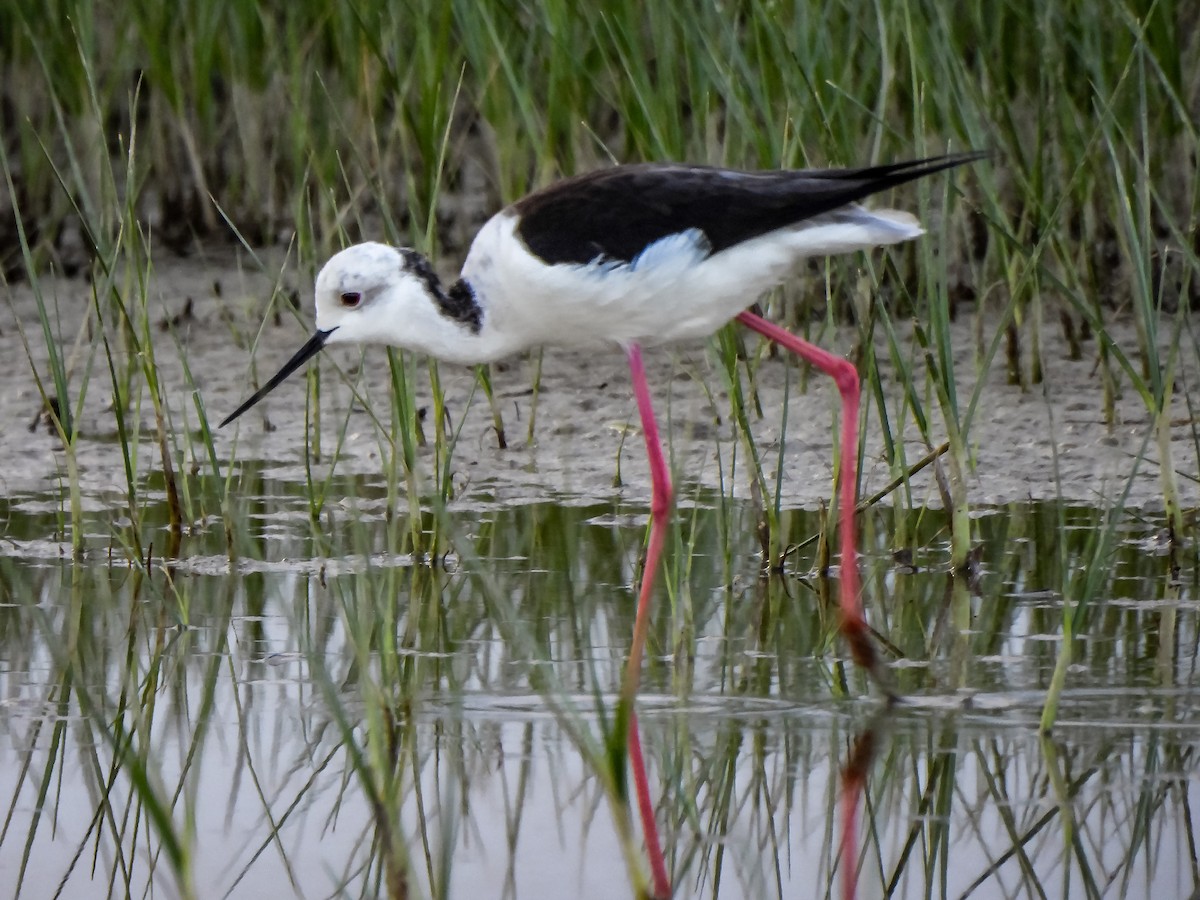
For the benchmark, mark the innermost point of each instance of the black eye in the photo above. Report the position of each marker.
(351, 299)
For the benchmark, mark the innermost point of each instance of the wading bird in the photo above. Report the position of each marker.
(632, 255)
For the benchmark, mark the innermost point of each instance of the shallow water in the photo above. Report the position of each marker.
(331, 715)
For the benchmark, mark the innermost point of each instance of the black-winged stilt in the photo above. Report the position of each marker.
(632, 255)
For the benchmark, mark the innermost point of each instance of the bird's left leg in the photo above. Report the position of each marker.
(842, 371)
(853, 623)
(660, 510)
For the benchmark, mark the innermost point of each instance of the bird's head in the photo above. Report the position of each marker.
(364, 292)
(363, 295)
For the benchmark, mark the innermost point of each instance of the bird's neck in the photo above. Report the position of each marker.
(453, 324)
(457, 304)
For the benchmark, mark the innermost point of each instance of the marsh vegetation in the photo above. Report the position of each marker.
(356, 648)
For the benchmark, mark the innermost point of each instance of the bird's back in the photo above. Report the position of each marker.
(660, 252)
(617, 213)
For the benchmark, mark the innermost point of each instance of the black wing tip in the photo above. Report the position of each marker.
(873, 179)
(929, 165)
(947, 160)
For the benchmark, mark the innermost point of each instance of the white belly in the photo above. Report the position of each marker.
(673, 291)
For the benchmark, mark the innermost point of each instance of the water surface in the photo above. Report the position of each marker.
(330, 714)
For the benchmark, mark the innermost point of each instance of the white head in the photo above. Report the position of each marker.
(367, 292)
(371, 293)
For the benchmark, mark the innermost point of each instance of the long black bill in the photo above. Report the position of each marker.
(310, 349)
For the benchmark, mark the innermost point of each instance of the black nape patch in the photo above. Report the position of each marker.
(458, 304)
(420, 266)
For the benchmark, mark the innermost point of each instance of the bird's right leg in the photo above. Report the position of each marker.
(660, 510)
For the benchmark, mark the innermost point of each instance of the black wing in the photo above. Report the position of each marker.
(617, 213)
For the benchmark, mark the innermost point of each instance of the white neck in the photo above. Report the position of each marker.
(434, 327)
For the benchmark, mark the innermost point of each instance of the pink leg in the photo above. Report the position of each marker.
(853, 624)
(660, 508)
(662, 495)
(854, 784)
(849, 841)
(641, 785)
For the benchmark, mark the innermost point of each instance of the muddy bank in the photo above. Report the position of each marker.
(1050, 442)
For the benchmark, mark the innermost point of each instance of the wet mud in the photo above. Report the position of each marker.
(1049, 442)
